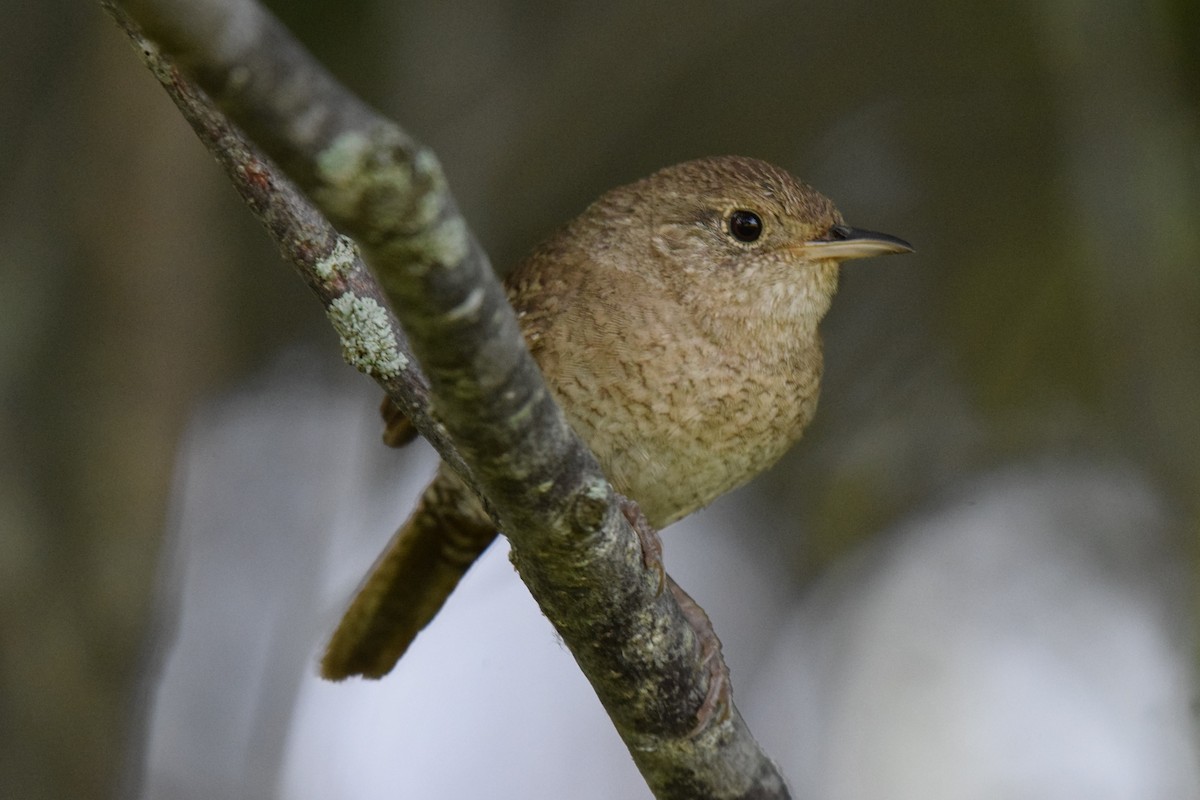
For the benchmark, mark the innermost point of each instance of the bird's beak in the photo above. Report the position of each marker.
(845, 243)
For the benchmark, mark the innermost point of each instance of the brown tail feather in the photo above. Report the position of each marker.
(411, 580)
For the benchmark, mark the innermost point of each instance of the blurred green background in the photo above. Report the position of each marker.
(1043, 157)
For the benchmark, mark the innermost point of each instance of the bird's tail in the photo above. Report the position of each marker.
(411, 580)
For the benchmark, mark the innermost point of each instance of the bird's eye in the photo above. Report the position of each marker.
(745, 226)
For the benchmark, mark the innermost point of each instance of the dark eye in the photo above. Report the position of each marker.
(745, 226)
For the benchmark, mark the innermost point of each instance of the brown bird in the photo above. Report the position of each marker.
(675, 320)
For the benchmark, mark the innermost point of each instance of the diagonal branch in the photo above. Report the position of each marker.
(328, 262)
(570, 541)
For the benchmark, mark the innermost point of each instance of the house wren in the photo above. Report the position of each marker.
(675, 321)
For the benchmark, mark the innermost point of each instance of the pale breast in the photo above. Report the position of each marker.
(675, 418)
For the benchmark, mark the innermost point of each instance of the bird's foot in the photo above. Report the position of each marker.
(718, 699)
(652, 548)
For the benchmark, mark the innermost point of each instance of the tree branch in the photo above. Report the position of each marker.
(328, 262)
(570, 542)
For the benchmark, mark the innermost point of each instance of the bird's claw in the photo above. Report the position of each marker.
(652, 548)
(718, 699)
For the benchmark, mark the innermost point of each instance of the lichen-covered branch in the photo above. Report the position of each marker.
(328, 262)
(570, 541)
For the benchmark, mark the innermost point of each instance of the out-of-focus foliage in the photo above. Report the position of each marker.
(1043, 157)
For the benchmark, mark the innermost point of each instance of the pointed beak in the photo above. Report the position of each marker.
(845, 243)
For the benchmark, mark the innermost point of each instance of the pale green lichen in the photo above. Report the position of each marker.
(346, 173)
(397, 196)
(340, 259)
(343, 159)
(468, 308)
(426, 162)
(368, 343)
(451, 241)
(448, 244)
(369, 177)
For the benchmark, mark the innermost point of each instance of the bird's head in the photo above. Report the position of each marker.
(736, 239)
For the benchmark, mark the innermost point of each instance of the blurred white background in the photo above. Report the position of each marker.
(1025, 635)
